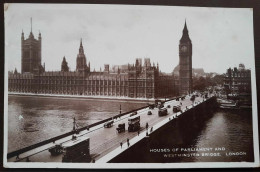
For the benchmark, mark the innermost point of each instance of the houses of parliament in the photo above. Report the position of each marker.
(138, 80)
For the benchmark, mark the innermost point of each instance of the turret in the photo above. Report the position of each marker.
(64, 65)
(39, 36)
(15, 71)
(22, 37)
(118, 70)
(106, 68)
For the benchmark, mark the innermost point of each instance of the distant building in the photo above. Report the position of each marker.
(185, 63)
(198, 72)
(135, 81)
(238, 80)
(120, 68)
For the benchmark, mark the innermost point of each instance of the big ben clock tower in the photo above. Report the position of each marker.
(185, 63)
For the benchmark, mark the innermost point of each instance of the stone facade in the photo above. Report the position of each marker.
(134, 81)
(238, 80)
(31, 54)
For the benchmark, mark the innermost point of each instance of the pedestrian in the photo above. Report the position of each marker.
(151, 129)
(147, 125)
(138, 132)
(121, 144)
(128, 144)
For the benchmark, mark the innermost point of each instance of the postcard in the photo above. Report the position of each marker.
(129, 86)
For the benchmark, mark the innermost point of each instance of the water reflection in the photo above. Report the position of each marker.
(230, 131)
(44, 118)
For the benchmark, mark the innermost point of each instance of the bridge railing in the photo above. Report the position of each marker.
(20, 151)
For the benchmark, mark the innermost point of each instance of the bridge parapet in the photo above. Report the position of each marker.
(111, 156)
(117, 150)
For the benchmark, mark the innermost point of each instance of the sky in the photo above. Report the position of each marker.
(118, 34)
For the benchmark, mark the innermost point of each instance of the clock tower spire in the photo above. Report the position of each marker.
(185, 63)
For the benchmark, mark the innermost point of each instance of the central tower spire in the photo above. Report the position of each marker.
(81, 49)
(81, 60)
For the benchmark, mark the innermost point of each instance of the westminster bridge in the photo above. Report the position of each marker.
(107, 145)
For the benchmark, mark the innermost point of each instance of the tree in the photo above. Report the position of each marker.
(199, 83)
(218, 80)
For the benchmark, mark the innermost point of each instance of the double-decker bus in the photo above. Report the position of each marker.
(76, 150)
(134, 123)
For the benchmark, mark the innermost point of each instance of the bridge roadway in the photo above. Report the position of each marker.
(105, 140)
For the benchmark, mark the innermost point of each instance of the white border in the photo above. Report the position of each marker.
(256, 162)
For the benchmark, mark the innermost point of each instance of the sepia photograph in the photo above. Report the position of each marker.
(129, 86)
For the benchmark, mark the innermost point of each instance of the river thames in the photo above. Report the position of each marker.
(34, 119)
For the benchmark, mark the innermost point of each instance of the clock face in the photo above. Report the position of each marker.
(184, 48)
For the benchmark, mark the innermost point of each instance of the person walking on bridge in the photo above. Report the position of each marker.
(121, 144)
(128, 144)
(147, 125)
